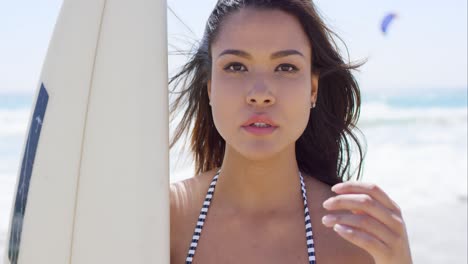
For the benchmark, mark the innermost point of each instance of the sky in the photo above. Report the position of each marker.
(426, 47)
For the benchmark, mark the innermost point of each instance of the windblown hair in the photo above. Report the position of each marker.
(324, 149)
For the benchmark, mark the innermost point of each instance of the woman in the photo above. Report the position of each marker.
(273, 106)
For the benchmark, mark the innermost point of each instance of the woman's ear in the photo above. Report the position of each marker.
(315, 84)
(208, 85)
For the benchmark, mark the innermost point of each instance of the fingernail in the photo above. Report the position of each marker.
(336, 187)
(327, 203)
(328, 219)
(341, 229)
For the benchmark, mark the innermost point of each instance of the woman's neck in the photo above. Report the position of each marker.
(257, 188)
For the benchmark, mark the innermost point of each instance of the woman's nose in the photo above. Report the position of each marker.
(260, 96)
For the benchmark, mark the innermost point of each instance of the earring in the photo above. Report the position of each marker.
(313, 105)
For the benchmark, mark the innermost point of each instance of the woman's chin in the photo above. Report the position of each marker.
(259, 152)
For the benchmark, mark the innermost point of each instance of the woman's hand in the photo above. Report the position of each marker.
(374, 221)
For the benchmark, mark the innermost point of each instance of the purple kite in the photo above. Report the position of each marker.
(386, 22)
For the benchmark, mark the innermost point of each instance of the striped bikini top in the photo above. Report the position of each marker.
(204, 213)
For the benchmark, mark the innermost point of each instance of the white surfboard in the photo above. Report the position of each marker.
(93, 185)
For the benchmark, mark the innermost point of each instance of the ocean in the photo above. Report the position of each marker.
(416, 151)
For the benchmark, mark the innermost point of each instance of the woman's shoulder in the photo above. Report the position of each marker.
(186, 193)
(186, 199)
(329, 246)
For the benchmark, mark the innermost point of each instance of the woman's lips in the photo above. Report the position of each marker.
(260, 131)
(265, 125)
(260, 118)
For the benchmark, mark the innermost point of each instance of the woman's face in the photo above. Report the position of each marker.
(261, 74)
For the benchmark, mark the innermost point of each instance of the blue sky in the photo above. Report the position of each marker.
(426, 47)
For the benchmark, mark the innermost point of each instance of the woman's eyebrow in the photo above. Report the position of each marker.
(284, 53)
(276, 55)
(235, 52)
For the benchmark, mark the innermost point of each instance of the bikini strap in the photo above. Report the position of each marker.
(201, 219)
(308, 224)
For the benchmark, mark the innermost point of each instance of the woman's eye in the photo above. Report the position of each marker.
(287, 68)
(235, 67)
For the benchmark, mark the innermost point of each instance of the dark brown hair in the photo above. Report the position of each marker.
(324, 149)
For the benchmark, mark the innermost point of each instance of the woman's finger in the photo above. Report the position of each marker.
(374, 246)
(370, 189)
(363, 203)
(364, 223)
